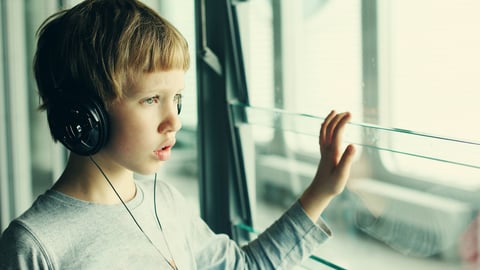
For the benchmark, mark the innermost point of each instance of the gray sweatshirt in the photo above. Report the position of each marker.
(61, 232)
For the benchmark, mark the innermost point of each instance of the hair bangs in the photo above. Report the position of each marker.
(155, 47)
(166, 53)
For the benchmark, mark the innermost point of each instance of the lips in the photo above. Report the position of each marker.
(163, 153)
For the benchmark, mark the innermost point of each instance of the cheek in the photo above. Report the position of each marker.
(123, 142)
(133, 132)
(129, 133)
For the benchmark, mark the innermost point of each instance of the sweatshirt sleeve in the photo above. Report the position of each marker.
(20, 250)
(288, 241)
(284, 245)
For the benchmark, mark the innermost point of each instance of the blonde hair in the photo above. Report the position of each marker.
(99, 47)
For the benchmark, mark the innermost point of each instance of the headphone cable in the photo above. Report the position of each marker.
(171, 262)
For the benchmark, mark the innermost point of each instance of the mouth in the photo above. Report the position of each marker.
(163, 153)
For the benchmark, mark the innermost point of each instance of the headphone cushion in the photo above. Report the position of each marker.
(81, 124)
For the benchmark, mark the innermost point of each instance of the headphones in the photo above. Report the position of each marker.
(80, 123)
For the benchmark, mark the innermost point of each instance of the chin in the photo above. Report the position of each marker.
(149, 170)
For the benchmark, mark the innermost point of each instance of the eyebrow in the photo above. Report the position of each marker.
(151, 92)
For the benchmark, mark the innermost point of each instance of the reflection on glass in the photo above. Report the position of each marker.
(412, 201)
(376, 223)
(406, 142)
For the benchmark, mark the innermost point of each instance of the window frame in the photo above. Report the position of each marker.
(220, 82)
(223, 145)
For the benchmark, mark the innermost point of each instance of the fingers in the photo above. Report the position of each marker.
(324, 128)
(337, 128)
(332, 128)
(346, 161)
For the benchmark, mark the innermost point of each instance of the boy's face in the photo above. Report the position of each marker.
(144, 123)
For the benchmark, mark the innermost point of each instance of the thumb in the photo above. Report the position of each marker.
(346, 161)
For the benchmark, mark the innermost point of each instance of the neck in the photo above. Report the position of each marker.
(83, 180)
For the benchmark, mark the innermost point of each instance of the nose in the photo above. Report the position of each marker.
(171, 121)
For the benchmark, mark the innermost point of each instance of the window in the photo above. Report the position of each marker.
(405, 69)
(428, 57)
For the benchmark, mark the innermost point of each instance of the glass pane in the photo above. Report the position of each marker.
(429, 82)
(394, 226)
(412, 200)
(303, 56)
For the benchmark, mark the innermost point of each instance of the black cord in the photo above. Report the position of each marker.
(155, 203)
(118, 195)
(172, 263)
(174, 266)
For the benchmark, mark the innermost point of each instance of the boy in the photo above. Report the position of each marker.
(110, 74)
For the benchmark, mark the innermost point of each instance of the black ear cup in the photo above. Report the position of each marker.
(79, 124)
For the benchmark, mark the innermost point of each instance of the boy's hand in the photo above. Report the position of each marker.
(334, 167)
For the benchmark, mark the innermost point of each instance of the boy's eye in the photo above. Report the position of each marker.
(177, 99)
(150, 100)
